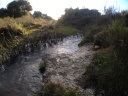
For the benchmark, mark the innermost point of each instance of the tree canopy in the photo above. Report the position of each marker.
(79, 17)
(37, 14)
(16, 8)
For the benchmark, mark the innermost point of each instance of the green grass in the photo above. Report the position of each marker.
(53, 89)
(107, 71)
(17, 32)
(90, 33)
(64, 30)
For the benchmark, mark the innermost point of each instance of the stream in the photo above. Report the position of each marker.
(22, 78)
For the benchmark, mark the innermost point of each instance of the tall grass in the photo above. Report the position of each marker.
(107, 71)
(118, 34)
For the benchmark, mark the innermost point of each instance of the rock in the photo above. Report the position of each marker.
(96, 47)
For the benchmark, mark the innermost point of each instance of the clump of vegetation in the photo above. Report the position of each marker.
(64, 30)
(89, 34)
(108, 73)
(38, 14)
(16, 9)
(42, 67)
(52, 89)
(79, 18)
(108, 68)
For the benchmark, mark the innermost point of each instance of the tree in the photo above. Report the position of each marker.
(18, 8)
(3, 12)
(79, 17)
(37, 14)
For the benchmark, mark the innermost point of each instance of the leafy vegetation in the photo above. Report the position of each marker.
(108, 73)
(107, 70)
(42, 67)
(79, 18)
(17, 33)
(38, 14)
(16, 9)
(52, 89)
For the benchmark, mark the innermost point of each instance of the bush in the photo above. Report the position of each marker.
(89, 34)
(117, 35)
(108, 73)
(100, 39)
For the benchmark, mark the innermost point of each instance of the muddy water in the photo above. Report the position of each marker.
(22, 78)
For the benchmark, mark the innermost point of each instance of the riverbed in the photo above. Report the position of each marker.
(65, 63)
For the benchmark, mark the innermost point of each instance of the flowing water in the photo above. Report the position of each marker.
(22, 78)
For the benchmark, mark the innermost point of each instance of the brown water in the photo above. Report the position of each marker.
(22, 78)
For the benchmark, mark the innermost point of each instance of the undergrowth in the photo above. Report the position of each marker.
(53, 89)
(107, 71)
(16, 34)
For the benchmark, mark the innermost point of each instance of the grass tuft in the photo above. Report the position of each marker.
(53, 89)
(42, 67)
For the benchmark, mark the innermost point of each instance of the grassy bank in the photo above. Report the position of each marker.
(17, 35)
(107, 72)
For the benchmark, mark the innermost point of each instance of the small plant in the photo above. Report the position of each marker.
(52, 89)
(70, 93)
(56, 89)
(42, 67)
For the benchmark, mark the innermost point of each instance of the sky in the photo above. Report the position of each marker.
(55, 8)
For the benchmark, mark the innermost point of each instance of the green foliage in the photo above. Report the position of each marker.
(90, 34)
(108, 73)
(101, 39)
(118, 35)
(9, 32)
(64, 30)
(79, 18)
(37, 14)
(70, 93)
(42, 67)
(108, 69)
(16, 9)
(53, 89)
(3, 12)
(45, 16)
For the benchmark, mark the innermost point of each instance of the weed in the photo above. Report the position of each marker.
(42, 67)
(53, 89)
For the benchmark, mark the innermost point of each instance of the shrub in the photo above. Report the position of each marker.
(89, 34)
(108, 73)
(117, 34)
(101, 39)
